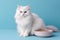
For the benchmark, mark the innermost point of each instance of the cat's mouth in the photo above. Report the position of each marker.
(24, 15)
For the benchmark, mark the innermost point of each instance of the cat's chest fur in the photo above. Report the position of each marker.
(25, 20)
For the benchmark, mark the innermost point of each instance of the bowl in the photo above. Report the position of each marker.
(43, 33)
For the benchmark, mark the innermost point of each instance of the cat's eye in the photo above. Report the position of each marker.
(20, 11)
(25, 11)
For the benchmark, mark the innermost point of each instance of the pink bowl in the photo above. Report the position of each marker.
(44, 33)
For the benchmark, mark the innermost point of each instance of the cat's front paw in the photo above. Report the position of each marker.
(25, 35)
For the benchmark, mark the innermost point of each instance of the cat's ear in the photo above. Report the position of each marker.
(18, 7)
(28, 7)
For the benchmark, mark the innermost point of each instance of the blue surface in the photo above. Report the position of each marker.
(12, 35)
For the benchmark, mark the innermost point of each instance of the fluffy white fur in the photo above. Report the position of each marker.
(27, 22)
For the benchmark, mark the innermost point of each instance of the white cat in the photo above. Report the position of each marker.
(27, 22)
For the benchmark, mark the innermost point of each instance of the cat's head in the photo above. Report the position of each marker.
(23, 10)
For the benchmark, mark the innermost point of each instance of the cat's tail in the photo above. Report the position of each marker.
(53, 28)
(50, 27)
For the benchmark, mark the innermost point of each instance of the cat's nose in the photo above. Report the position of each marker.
(23, 14)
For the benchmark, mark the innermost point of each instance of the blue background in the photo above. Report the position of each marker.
(48, 10)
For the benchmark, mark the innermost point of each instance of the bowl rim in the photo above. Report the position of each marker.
(47, 30)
